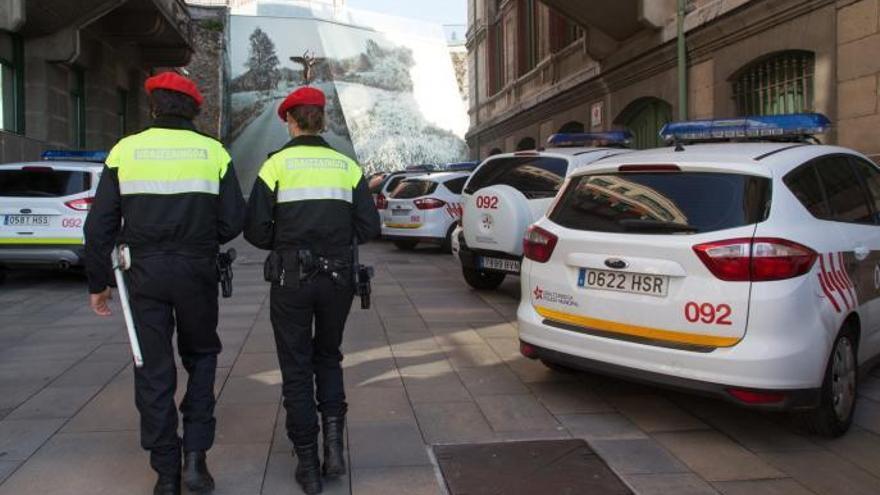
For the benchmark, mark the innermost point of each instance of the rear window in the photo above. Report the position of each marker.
(413, 188)
(535, 177)
(662, 203)
(455, 185)
(392, 182)
(43, 183)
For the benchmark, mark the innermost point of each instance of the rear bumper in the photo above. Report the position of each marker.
(426, 232)
(753, 364)
(43, 255)
(795, 399)
(468, 257)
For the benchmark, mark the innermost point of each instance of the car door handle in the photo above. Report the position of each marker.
(861, 253)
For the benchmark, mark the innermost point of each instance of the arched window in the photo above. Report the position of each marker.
(776, 84)
(495, 151)
(571, 128)
(526, 144)
(644, 117)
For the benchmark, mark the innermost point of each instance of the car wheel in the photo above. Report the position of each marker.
(406, 245)
(446, 247)
(834, 415)
(481, 280)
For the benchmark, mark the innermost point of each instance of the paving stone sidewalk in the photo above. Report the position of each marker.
(432, 363)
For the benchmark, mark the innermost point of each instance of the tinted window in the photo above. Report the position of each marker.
(662, 203)
(413, 188)
(535, 177)
(846, 196)
(455, 185)
(393, 182)
(804, 184)
(43, 182)
(871, 178)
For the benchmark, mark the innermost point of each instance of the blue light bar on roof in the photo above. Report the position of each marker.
(461, 166)
(75, 156)
(590, 138)
(754, 127)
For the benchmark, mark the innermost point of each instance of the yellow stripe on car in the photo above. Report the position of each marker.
(39, 240)
(403, 225)
(637, 331)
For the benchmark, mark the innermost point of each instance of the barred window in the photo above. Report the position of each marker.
(779, 84)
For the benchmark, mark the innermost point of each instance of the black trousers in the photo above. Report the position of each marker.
(166, 292)
(308, 323)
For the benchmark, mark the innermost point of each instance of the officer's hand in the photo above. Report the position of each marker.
(98, 302)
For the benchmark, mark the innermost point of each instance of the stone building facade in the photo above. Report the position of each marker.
(538, 67)
(72, 73)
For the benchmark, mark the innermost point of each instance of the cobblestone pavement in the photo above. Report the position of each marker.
(432, 363)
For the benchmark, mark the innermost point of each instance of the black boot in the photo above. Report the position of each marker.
(167, 485)
(195, 473)
(334, 448)
(308, 469)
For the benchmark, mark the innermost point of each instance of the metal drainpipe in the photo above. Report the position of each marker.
(682, 63)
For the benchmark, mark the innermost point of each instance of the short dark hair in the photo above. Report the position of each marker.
(173, 103)
(309, 118)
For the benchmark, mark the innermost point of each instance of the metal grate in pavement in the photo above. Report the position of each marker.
(557, 467)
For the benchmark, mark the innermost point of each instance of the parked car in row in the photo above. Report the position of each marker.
(424, 208)
(43, 208)
(743, 263)
(509, 192)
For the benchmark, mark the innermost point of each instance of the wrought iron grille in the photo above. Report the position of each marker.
(776, 85)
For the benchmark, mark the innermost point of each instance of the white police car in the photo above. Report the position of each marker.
(746, 270)
(43, 208)
(424, 208)
(508, 192)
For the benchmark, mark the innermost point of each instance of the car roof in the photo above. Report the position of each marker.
(53, 164)
(769, 157)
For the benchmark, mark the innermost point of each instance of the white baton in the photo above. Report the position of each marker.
(122, 262)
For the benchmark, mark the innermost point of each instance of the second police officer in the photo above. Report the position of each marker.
(308, 205)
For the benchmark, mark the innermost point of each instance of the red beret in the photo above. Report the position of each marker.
(173, 81)
(303, 96)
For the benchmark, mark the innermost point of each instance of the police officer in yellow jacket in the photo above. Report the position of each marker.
(308, 205)
(172, 196)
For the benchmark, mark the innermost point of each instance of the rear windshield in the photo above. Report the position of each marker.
(535, 177)
(662, 203)
(392, 182)
(43, 183)
(413, 188)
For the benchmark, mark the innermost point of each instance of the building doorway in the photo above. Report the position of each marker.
(644, 118)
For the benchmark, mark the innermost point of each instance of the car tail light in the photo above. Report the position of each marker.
(81, 204)
(756, 260)
(528, 350)
(648, 168)
(381, 202)
(755, 397)
(429, 203)
(538, 244)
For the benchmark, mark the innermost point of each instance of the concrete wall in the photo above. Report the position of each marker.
(49, 106)
(858, 76)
